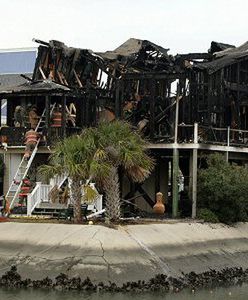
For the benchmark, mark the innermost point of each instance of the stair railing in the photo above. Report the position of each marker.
(39, 194)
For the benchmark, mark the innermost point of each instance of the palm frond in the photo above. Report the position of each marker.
(50, 171)
(89, 194)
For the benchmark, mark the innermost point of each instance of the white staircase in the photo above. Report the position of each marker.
(24, 166)
(58, 180)
(40, 195)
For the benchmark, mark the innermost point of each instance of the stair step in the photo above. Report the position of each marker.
(48, 205)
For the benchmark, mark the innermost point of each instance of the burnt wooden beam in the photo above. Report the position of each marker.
(77, 78)
(157, 176)
(10, 113)
(64, 116)
(42, 73)
(153, 75)
(134, 187)
(79, 111)
(41, 42)
(117, 100)
(145, 195)
(48, 118)
(73, 64)
(152, 108)
(92, 108)
(26, 77)
(190, 56)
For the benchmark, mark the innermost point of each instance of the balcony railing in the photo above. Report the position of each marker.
(212, 135)
(15, 136)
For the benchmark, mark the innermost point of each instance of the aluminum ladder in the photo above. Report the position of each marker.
(24, 166)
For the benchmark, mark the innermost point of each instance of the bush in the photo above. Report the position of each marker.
(223, 189)
(207, 215)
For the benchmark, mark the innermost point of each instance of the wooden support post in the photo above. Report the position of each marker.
(10, 112)
(152, 108)
(87, 110)
(157, 176)
(196, 133)
(117, 100)
(194, 172)
(63, 116)
(164, 178)
(175, 174)
(92, 108)
(238, 94)
(190, 193)
(79, 104)
(194, 182)
(48, 118)
(121, 97)
(228, 143)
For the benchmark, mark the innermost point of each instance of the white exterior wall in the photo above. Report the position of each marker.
(12, 161)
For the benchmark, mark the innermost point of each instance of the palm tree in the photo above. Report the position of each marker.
(68, 157)
(120, 147)
(97, 154)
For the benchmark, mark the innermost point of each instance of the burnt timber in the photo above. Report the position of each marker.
(196, 102)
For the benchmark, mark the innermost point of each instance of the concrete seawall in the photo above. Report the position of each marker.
(133, 252)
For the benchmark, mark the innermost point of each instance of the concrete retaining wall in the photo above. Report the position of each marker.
(133, 252)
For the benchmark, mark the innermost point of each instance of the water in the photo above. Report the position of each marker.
(234, 293)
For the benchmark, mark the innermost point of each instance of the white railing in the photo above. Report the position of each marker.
(41, 194)
(58, 180)
(38, 195)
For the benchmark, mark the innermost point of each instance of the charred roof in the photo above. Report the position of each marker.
(140, 55)
(225, 58)
(31, 87)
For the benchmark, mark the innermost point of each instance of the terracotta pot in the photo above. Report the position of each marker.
(159, 207)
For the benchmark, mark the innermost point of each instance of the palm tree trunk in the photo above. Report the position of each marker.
(76, 200)
(112, 190)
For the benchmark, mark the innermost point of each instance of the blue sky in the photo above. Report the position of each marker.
(182, 26)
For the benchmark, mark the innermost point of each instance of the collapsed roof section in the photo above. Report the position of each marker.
(66, 65)
(137, 55)
(225, 58)
(75, 68)
(217, 47)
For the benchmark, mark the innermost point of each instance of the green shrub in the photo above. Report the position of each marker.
(223, 189)
(207, 215)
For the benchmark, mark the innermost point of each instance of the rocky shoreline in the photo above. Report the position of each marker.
(160, 283)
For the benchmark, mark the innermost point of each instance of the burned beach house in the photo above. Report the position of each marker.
(186, 105)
